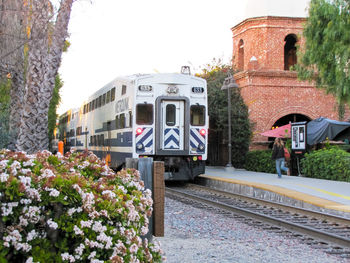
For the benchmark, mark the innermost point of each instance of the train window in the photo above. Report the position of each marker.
(123, 89)
(170, 118)
(90, 106)
(96, 103)
(113, 94)
(93, 105)
(108, 98)
(122, 121)
(144, 114)
(103, 99)
(102, 140)
(117, 122)
(100, 101)
(95, 140)
(130, 119)
(197, 115)
(91, 140)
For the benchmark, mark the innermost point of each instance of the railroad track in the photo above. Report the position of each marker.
(328, 232)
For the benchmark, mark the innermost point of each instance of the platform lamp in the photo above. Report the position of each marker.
(228, 84)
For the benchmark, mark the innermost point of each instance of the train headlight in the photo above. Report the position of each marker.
(139, 146)
(139, 131)
(201, 147)
(203, 132)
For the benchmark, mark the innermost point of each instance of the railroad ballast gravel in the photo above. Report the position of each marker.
(203, 235)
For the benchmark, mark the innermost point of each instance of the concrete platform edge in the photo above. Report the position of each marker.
(276, 194)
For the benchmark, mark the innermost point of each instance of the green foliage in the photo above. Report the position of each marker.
(55, 100)
(326, 57)
(330, 163)
(72, 208)
(215, 74)
(5, 87)
(260, 161)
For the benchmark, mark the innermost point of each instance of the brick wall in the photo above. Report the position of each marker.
(270, 91)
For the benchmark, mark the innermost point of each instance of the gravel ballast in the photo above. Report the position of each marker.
(200, 235)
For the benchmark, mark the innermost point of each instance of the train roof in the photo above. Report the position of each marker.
(169, 78)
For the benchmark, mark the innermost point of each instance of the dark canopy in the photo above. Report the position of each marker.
(320, 129)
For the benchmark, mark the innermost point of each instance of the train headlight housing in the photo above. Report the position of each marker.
(139, 146)
(201, 147)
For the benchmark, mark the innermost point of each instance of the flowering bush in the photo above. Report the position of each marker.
(72, 208)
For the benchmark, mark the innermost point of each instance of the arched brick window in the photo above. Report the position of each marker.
(240, 65)
(290, 51)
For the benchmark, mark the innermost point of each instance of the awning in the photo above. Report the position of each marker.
(280, 132)
(320, 129)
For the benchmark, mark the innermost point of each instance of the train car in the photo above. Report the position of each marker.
(68, 122)
(163, 116)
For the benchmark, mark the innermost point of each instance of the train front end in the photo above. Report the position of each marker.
(171, 123)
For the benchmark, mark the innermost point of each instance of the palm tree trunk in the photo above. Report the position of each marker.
(44, 58)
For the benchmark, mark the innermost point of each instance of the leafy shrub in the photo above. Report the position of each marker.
(328, 163)
(260, 161)
(72, 208)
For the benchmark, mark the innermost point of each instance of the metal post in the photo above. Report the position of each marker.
(229, 163)
(228, 84)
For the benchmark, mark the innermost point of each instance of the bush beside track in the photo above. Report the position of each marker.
(330, 163)
(260, 161)
(72, 208)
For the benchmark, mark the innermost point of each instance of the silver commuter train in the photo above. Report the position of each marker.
(163, 116)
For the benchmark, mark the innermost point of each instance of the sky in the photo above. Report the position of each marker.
(111, 38)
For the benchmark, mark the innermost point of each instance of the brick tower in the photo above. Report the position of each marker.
(264, 49)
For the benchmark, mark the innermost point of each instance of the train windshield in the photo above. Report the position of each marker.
(197, 115)
(144, 114)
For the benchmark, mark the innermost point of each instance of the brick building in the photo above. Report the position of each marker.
(264, 49)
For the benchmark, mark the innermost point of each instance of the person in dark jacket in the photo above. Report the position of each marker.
(278, 156)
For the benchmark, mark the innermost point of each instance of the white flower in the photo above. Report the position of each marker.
(78, 231)
(66, 256)
(32, 235)
(14, 166)
(54, 193)
(32, 193)
(29, 163)
(47, 173)
(29, 260)
(109, 193)
(87, 224)
(133, 248)
(25, 180)
(98, 227)
(92, 255)
(4, 177)
(79, 250)
(52, 224)
(25, 201)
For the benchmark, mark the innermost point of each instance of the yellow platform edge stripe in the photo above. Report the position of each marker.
(317, 201)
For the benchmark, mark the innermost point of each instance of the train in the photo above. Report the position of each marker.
(163, 116)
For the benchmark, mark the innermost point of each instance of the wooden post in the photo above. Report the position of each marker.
(158, 199)
(152, 174)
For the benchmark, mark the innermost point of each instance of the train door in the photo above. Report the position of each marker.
(172, 125)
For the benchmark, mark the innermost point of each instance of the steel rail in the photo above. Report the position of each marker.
(303, 211)
(324, 236)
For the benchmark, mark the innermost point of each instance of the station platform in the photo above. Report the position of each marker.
(332, 197)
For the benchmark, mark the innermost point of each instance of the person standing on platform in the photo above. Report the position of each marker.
(278, 156)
